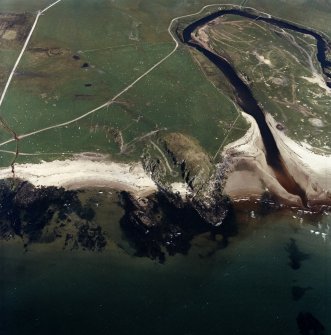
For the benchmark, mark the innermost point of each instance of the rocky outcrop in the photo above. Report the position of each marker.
(186, 152)
(181, 158)
(27, 211)
(161, 224)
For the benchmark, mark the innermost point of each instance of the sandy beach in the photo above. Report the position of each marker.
(311, 171)
(251, 176)
(84, 172)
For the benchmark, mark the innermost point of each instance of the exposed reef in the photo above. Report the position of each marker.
(162, 225)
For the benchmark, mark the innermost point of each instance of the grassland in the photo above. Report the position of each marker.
(81, 55)
(118, 41)
(283, 72)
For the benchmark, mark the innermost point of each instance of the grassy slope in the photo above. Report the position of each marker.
(120, 41)
(176, 95)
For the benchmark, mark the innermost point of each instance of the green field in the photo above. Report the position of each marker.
(119, 41)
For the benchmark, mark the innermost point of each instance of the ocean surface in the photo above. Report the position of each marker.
(276, 267)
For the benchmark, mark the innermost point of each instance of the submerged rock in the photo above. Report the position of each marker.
(298, 292)
(295, 255)
(42, 214)
(309, 325)
(91, 237)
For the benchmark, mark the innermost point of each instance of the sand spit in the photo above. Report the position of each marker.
(84, 172)
(251, 176)
(311, 171)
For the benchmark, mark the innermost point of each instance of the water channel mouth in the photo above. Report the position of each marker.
(244, 96)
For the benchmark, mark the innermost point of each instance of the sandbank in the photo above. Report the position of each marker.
(250, 175)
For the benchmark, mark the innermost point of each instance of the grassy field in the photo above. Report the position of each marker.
(83, 54)
(311, 13)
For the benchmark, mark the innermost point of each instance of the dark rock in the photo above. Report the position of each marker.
(298, 292)
(279, 126)
(25, 210)
(76, 57)
(85, 65)
(163, 223)
(296, 256)
(309, 325)
(86, 213)
(91, 237)
(214, 210)
(268, 203)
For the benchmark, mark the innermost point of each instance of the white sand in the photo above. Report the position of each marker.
(310, 170)
(9, 35)
(202, 35)
(262, 59)
(83, 172)
(251, 176)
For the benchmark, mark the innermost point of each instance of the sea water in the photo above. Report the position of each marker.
(276, 267)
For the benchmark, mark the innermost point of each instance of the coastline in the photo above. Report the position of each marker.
(250, 175)
(82, 172)
(248, 179)
(311, 171)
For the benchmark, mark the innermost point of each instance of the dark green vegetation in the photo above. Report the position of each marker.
(14, 29)
(160, 118)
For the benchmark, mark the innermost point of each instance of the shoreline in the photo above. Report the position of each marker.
(248, 163)
(311, 171)
(82, 172)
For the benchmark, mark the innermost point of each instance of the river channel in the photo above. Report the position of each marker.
(244, 96)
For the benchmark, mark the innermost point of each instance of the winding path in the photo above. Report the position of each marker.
(39, 13)
(113, 99)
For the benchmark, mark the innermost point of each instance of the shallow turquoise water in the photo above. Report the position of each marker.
(242, 289)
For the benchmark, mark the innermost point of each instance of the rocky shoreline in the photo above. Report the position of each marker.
(176, 195)
(44, 214)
